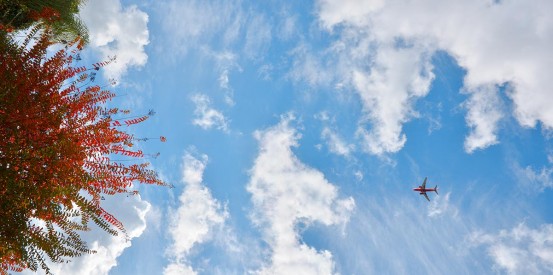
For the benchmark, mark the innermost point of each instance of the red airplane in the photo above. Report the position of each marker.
(422, 189)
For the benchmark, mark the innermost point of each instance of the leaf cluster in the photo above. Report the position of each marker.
(60, 15)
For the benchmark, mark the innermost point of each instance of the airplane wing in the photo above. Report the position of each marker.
(426, 196)
(424, 184)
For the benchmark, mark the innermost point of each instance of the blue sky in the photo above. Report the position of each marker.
(296, 132)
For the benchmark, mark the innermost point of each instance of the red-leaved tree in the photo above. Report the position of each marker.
(61, 151)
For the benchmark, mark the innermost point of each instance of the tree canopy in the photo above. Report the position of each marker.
(59, 151)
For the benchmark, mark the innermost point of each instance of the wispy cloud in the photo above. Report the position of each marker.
(310, 67)
(520, 250)
(193, 222)
(440, 206)
(206, 116)
(398, 237)
(117, 31)
(220, 31)
(226, 62)
(534, 179)
(286, 192)
(401, 36)
(258, 37)
(335, 143)
(195, 24)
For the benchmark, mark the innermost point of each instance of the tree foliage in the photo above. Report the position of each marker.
(60, 15)
(59, 146)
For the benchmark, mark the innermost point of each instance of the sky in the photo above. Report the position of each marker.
(296, 131)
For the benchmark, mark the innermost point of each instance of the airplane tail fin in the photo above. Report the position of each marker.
(436, 189)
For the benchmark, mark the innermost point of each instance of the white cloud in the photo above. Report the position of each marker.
(440, 206)
(521, 250)
(258, 37)
(434, 124)
(397, 78)
(309, 67)
(335, 144)
(196, 217)
(335, 12)
(532, 179)
(223, 80)
(265, 71)
(193, 24)
(358, 175)
(285, 193)
(178, 269)
(226, 62)
(219, 31)
(484, 112)
(288, 27)
(398, 237)
(323, 116)
(108, 247)
(207, 117)
(214, 31)
(497, 42)
(117, 31)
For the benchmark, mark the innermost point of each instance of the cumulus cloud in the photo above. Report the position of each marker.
(193, 222)
(285, 193)
(397, 78)
(521, 250)
(117, 31)
(206, 116)
(484, 112)
(108, 247)
(496, 42)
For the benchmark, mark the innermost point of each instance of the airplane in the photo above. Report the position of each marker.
(422, 189)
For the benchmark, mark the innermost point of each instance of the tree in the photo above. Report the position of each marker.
(59, 147)
(61, 15)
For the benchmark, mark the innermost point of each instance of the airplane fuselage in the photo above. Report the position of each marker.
(424, 190)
